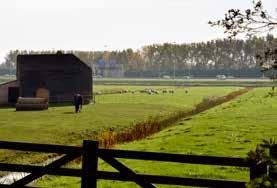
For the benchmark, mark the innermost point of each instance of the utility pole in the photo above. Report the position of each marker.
(174, 70)
(159, 70)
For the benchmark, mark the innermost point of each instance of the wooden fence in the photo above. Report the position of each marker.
(89, 173)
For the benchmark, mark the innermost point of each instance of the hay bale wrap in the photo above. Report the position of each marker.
(31, 104)
(24, 100)
(29, 107)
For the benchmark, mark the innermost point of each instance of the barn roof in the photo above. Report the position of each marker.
(9, 82)
(48, 58)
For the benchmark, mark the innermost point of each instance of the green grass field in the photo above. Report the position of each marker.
(231, 129)
(179, 99)
(59, 125)
(121, 87)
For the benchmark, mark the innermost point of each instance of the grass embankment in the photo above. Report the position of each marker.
(231, 129)
(59, 125)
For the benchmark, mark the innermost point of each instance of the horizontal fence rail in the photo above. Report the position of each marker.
(173, 180)
(89, 172)
(45, 148)
(180, 158)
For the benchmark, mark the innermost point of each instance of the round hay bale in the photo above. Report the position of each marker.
(29, 107)
(24, 100)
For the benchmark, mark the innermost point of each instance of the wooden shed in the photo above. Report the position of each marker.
(56, 77)
(9, 93)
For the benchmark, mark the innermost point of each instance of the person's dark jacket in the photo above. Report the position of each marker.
(78, 100)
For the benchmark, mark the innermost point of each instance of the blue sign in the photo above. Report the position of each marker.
(101, 63)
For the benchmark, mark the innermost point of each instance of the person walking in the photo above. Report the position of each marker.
(78, 102)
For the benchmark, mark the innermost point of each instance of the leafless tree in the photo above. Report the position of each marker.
(249, 22)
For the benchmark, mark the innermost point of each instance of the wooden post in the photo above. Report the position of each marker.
(273, 151)
(257, 170)
(273, 167)
(89, 164)
(253, 174)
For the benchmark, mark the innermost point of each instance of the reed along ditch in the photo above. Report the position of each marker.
(141, 130)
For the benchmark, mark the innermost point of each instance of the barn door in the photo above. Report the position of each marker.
(13, 94)
(42, 93)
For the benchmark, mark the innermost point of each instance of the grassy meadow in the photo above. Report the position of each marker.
(231, 129)
(179, 99)
(60, 125)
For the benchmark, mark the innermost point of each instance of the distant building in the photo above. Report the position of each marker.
(57, 77)
(109, 70)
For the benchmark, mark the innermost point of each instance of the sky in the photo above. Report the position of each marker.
(110, 24)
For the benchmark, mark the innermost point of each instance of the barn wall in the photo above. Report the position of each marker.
(63, 75)
(4, 91)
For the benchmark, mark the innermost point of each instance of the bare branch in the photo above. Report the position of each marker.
(249, 22)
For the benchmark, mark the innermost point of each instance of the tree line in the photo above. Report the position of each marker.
(203, 59)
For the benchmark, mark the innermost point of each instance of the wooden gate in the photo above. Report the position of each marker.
(90, 174)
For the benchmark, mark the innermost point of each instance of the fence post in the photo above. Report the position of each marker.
(89, 164)
(257, 170)
(273, 167)
(273, 151)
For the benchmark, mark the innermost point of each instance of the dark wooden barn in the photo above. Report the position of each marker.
(57, 77)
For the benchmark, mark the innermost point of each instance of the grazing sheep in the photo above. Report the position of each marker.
(149, 91)
(133, 92)
(144, 90)
(98, 93)
(171, 91)
(186, 91)
(164, 91)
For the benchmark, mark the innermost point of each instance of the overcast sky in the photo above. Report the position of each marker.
(110, 24)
